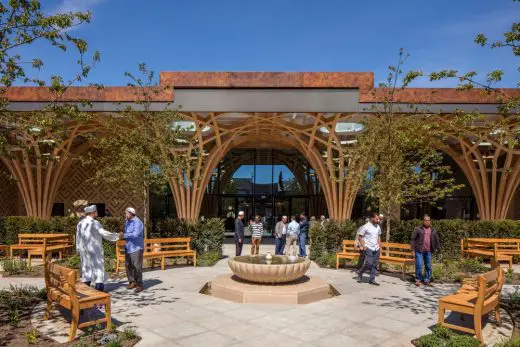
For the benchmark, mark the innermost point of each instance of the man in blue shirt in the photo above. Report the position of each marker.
(134, 237)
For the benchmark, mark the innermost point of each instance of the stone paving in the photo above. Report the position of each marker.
(171, 312)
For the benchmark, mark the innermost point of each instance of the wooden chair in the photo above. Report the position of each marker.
(349, 251)
(399, 254)
(475, 302)
(64, 289)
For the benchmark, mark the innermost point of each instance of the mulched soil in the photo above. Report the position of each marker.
(15, 336)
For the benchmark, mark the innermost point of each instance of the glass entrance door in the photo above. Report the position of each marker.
(264, 208)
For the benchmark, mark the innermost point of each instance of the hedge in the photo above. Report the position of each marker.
(206, 236)
(328, 239)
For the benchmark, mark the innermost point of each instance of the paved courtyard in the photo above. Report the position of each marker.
(171, 312)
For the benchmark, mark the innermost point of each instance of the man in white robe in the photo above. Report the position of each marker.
(89, 246)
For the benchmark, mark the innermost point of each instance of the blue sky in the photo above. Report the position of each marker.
(286, 35)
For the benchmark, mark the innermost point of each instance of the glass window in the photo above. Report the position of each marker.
(241, 182)
(264, 179)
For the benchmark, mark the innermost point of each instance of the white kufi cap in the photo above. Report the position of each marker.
(131, 210)
(90, 209)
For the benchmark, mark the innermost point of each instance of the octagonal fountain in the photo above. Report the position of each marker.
(268, 268)
(271, 280)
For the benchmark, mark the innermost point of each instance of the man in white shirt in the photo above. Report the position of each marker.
(293, 230)
(369, 236)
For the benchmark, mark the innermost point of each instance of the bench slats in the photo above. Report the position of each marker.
(160, 248)
(64, 289)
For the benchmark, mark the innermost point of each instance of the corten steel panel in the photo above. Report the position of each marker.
(439, 96)
(201, 80)
(106, 94)
(267, 100)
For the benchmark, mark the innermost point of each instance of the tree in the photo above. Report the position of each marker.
(138, 149)
(487, 147)
(22, 22)
(38, 146)
(402, 147)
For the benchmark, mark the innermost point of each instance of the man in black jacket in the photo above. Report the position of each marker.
(239, 233)
(424, 242)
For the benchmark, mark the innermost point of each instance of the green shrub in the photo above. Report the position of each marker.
(207, 236)
(15, 225)
(452, 270)
(18, 298)
(73, 262)
(442, 337)
(128, 334)
(327, 259)
(15, 266)
(32, 336)
(208, 258)
(431, 340)
(463, 341)
(450, 231)
(328, 238)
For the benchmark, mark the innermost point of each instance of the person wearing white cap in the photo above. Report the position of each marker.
(89, 245)
(134, 237)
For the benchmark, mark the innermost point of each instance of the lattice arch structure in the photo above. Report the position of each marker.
(491, 163)
(212, 135)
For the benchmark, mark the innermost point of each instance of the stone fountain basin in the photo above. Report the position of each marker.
(280, 269)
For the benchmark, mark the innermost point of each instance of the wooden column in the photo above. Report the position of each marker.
(492, 169)
(39, 164)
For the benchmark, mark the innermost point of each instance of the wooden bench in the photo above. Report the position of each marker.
(161, 249)
(35, 244)
(349, 251)
(486, 249)
(63, 288)
(397, 254)
(484, 299)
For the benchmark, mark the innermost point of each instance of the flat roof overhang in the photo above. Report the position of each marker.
(263, 92)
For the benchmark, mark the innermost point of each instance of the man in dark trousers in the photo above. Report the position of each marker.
(239, 233)
(424, 242)
(304, 228)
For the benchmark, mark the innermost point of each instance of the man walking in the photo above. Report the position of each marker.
(134, 248)
(257, 230)
(304, 228)
(293, 230)
(89, 246)
(239, 233)
(369, 237)
(424, 242)
(280, 235)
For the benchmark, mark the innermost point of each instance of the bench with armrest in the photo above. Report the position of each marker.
(486, 249)
(397, 254)
(63, 288)
(160, 248)
(477, 301)
(34, 244)
(349, 251)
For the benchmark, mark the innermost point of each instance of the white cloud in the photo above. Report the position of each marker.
(76, 5)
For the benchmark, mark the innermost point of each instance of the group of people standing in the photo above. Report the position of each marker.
(290, 237)
(424, 242)
(89, 245)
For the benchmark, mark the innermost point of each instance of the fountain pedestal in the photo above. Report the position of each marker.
(302, 291)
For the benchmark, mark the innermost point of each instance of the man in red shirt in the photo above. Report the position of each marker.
(424, 242)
